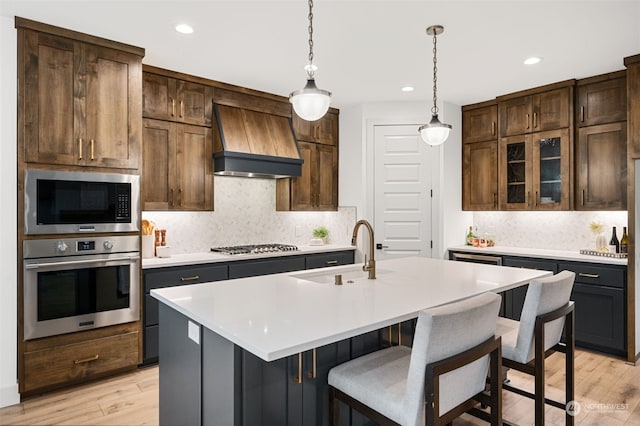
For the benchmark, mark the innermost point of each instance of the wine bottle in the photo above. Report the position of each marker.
(614, 245)
(624, 241)
(470, 235)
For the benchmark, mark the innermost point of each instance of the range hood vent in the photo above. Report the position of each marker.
(254, 143)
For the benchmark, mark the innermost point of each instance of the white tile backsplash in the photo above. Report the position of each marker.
(565, 230)
(245, 213)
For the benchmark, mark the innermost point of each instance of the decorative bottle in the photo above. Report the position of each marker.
(624, 241)
(470, 235)
(614, 245)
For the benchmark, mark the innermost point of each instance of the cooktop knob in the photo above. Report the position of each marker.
(62, 246)
(108, 245)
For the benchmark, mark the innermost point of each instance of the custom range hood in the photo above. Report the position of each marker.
(255, 139)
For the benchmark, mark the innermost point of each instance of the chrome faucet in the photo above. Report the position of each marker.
(369, 266)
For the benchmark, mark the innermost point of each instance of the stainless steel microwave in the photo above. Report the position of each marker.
(57, 202)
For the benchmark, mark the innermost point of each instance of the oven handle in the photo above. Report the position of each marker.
(80, 262)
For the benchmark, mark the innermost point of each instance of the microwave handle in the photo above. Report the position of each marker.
(79, 262)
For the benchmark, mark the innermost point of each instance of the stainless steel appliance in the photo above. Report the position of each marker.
(73, 284)
(57, 202)
(255, 248)
(476, 258)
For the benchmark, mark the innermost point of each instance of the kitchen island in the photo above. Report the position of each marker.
(258, 350)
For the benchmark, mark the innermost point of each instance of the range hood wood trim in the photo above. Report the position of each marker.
(252, 103)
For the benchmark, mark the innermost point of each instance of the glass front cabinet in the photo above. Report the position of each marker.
(534, 171)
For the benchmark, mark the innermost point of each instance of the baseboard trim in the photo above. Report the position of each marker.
(9, 395)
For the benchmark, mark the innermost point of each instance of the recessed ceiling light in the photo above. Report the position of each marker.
(184, 28)
(532, 60)
(407, 89)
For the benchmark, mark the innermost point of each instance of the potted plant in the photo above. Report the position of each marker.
(319, 236)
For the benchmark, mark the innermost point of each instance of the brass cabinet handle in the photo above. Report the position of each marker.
(171, 197)
(314, 371)
(529, 197)
(192, 278)
(331, 262)
(495, 200)
(399, 334)
(180, 197)
(535, 119)
(92, 147)
(582, 197)
(493, 128)
(535, 200)
(582, 114)
(298, 377)
(584, 274)
(181, 109)
(528, 115)
(390, 336)
(86, 360)
(173, 107)
(80, 149)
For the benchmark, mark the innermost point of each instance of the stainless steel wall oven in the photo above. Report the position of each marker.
(59, 202)
(73, 284)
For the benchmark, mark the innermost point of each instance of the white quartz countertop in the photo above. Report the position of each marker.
(210, 257)
(540, 253)
(274, 316)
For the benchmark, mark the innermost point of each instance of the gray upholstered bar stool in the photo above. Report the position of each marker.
(546, 311)
(441, 377)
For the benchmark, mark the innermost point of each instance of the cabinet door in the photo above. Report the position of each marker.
(480, 176)
(327, 178)
(551, 110)
(113, 108)
(515, 116)
(303, 187)
(516, 297)
(193, 187)
(601, 102)
(158, 96)
(158, 151)
(551, 167)
(303, 129)
(480, 124)
(52, 101)
(194, 103)
(600, 317)
(514, 173)
(601, 167)
(328, 129)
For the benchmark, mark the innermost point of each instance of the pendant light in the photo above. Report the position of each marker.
(310, 103)
(436, 132)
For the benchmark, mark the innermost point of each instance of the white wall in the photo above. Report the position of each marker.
(8, 182)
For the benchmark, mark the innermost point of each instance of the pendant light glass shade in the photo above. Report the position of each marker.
(436, 132)
(310, 103)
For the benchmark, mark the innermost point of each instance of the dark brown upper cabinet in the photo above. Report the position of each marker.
(81, 101)
(480, 123)
(546, 108)
(172, 99)
(601, 99)
(324, 130)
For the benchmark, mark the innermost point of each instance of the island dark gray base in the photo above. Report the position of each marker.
(215, 382)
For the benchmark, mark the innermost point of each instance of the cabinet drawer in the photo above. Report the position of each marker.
(544, 265)
(79, 361)
(597, 274)
(252, 268)
(169, 277)
(329, 259)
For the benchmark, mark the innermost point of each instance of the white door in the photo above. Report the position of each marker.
(402, 192)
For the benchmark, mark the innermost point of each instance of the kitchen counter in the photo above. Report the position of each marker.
(540, 253)
(211, 257)
(278, 315)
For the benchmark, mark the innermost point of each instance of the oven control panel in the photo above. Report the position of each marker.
(54, 247)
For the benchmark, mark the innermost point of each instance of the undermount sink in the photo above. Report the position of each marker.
(349, 275)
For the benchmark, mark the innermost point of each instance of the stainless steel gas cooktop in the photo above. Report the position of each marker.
(254, 249)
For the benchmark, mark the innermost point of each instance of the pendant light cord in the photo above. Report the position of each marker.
(434, 109)
(310, 71)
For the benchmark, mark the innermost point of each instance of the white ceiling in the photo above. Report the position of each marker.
(365, 50)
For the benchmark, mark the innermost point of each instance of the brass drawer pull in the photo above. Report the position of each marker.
(80, 149)
(181, 109)
(583, 274)
(173, 107)
(193, 278)
(528, 116)
(298, 377)
(86, 360)
(582, 114)
(332, 262)
(493, 128)
(314, 371)
(92, 149)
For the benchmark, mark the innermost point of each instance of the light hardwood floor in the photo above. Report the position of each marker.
(607, 389)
